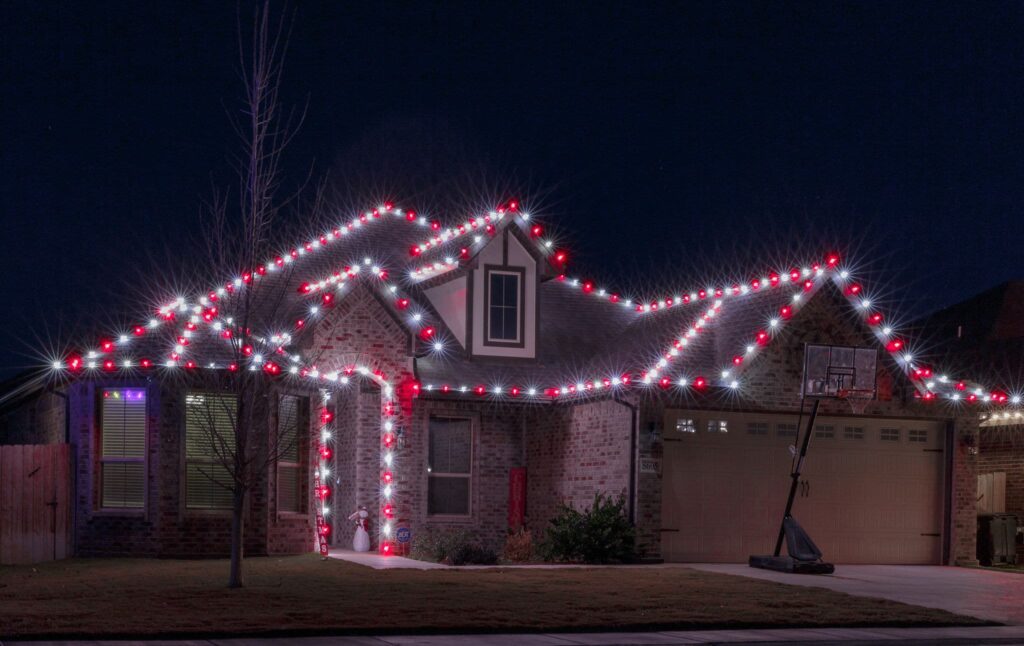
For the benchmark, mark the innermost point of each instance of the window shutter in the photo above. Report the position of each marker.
(289, 497)
(288, 428)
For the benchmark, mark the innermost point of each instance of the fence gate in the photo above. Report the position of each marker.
(35, 503)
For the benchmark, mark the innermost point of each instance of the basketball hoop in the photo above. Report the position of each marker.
(858, 398)
(840, 372)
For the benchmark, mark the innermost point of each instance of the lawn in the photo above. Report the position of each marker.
(304, 595)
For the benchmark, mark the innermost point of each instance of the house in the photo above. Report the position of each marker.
(985, 334)
(457, 375)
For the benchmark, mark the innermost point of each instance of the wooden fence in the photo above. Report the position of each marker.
(35, 503)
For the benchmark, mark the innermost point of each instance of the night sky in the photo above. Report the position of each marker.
(698, 139)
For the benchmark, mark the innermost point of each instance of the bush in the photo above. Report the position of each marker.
(518, 546)
(599, 534)
(451, 547)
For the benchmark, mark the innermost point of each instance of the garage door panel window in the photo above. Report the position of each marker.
(889, 435)
(853, 433)
(785, 430)
(757, 428)
(718, 426)
(917, 436)
(449, 466)
(824, 431)
(686, 425)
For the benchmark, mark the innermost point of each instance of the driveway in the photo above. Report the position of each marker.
(995, 596)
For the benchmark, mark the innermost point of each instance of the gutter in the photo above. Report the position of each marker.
(634, 448)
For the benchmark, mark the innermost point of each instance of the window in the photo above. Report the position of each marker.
(290, 415)
(917, 436)
(889, 435)
(718, 426)
(853, 433)
(785, 430)
(686, 425)
(824, 431)
(122, 450)
(503, 305)
(757, 428)
(449, 465)
(209, 433)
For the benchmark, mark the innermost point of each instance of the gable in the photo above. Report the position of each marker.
(449, 300)
(826, 319)
(505, 256)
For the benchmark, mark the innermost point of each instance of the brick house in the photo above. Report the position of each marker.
(455, 376)
(985, 334)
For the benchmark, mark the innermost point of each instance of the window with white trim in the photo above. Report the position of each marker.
(503, 306)
(853, 433)
(449, 466)
(209, 443)
(290, 415)
(122, 449)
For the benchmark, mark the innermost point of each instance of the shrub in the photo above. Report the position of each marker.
(518, 546)
(599, 534)
(450, 546)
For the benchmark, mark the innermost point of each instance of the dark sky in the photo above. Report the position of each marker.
(662, 134)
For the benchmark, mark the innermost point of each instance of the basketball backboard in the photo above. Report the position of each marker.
(838, 371)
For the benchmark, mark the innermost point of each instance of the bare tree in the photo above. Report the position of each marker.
(232, 418)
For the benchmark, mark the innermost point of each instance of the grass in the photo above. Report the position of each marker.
(304, 595)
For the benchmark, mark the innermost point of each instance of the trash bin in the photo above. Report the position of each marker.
(997, 539)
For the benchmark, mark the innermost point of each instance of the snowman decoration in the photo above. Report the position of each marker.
(361, 540)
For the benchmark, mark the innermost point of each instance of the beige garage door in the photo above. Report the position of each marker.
(871, 491)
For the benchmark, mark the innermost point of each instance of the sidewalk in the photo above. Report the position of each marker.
(809, 636)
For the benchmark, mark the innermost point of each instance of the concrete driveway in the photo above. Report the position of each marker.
(995, 596)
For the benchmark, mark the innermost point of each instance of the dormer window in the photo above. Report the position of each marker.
(504, 297)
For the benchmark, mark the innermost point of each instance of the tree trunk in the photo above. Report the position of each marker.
(237, 536)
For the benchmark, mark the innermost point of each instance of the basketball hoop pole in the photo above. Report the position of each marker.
(795, 475)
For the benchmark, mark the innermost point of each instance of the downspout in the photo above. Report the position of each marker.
(634, 448)
(950, 445)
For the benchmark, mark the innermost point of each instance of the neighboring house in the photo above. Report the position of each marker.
(985, 334)
(444, 361)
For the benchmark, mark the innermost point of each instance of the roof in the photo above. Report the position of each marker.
(590, 337)
(984, 334)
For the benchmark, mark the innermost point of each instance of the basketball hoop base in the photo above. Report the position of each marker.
(790, 564)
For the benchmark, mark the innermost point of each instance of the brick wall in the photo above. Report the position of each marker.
(497, 447)
(574, 452)
(1002, 449)
(37, 420)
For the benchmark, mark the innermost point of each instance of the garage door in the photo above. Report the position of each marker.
(871, 491)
